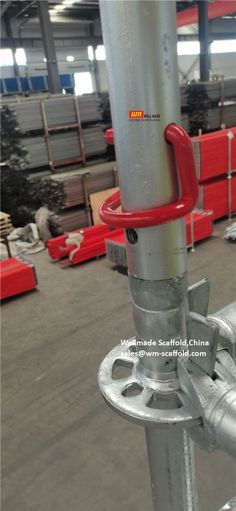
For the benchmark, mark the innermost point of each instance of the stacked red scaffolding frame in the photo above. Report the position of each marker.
(215, 158)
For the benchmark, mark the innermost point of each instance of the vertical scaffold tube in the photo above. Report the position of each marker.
(172, 469)
(141, 49)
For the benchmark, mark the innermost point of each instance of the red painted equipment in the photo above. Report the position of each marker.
(214, 195)
(93, 245)
(17, 276)
(215, 10)
(181, 142)
(109, 136)
(202, 222)
(213, 152)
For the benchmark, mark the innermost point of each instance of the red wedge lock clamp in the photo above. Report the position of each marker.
(182, 145)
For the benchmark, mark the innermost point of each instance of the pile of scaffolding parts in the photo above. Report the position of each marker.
(215, 161)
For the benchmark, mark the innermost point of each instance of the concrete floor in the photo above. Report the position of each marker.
(63, 449)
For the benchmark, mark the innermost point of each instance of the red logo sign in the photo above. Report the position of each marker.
(136, 114)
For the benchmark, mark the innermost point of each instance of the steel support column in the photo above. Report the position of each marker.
(11, 42)
(179, 399)
(49, 47)
(171, 456)
(141, 41)
(203, 30)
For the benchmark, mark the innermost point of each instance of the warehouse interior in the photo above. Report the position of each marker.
(118, 190)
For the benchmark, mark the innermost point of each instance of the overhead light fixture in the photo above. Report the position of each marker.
(70, 58)
(69, 2)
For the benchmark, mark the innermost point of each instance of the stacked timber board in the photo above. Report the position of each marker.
(78, 187)
(215, 159)
(5, 224)
(70, 220)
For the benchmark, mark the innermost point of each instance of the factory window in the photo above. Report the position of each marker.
(100, 53)
(90, 51)
(20, 57)
(70, 58)
(6, 57)
(225, 46)
(188, 48)
(83, 83)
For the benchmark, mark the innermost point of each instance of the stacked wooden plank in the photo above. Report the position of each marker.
(75, 218)
(83, 182)
(5, 224)
(215, 158)
(79, 185)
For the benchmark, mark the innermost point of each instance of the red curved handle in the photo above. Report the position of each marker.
(109, 136)
(182, 145)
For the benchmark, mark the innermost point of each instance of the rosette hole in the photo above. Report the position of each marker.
(132, 236)
(132, 390)
(121, 369)
(164, 402)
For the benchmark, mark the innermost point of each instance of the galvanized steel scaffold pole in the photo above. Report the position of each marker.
(179, 399)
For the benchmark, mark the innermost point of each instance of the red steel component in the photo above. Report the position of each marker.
(215, 196)
(215, 10)
(181, 142)
(202, 228)
(93, 245)
(109, 136)
(87, 251)
(57, 247)
(16, 276)
(212, 153)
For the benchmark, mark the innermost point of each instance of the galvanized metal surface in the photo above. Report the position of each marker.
(150, 394)
(171, 455)
(142, 400)
(230, 506)
(146, 168)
